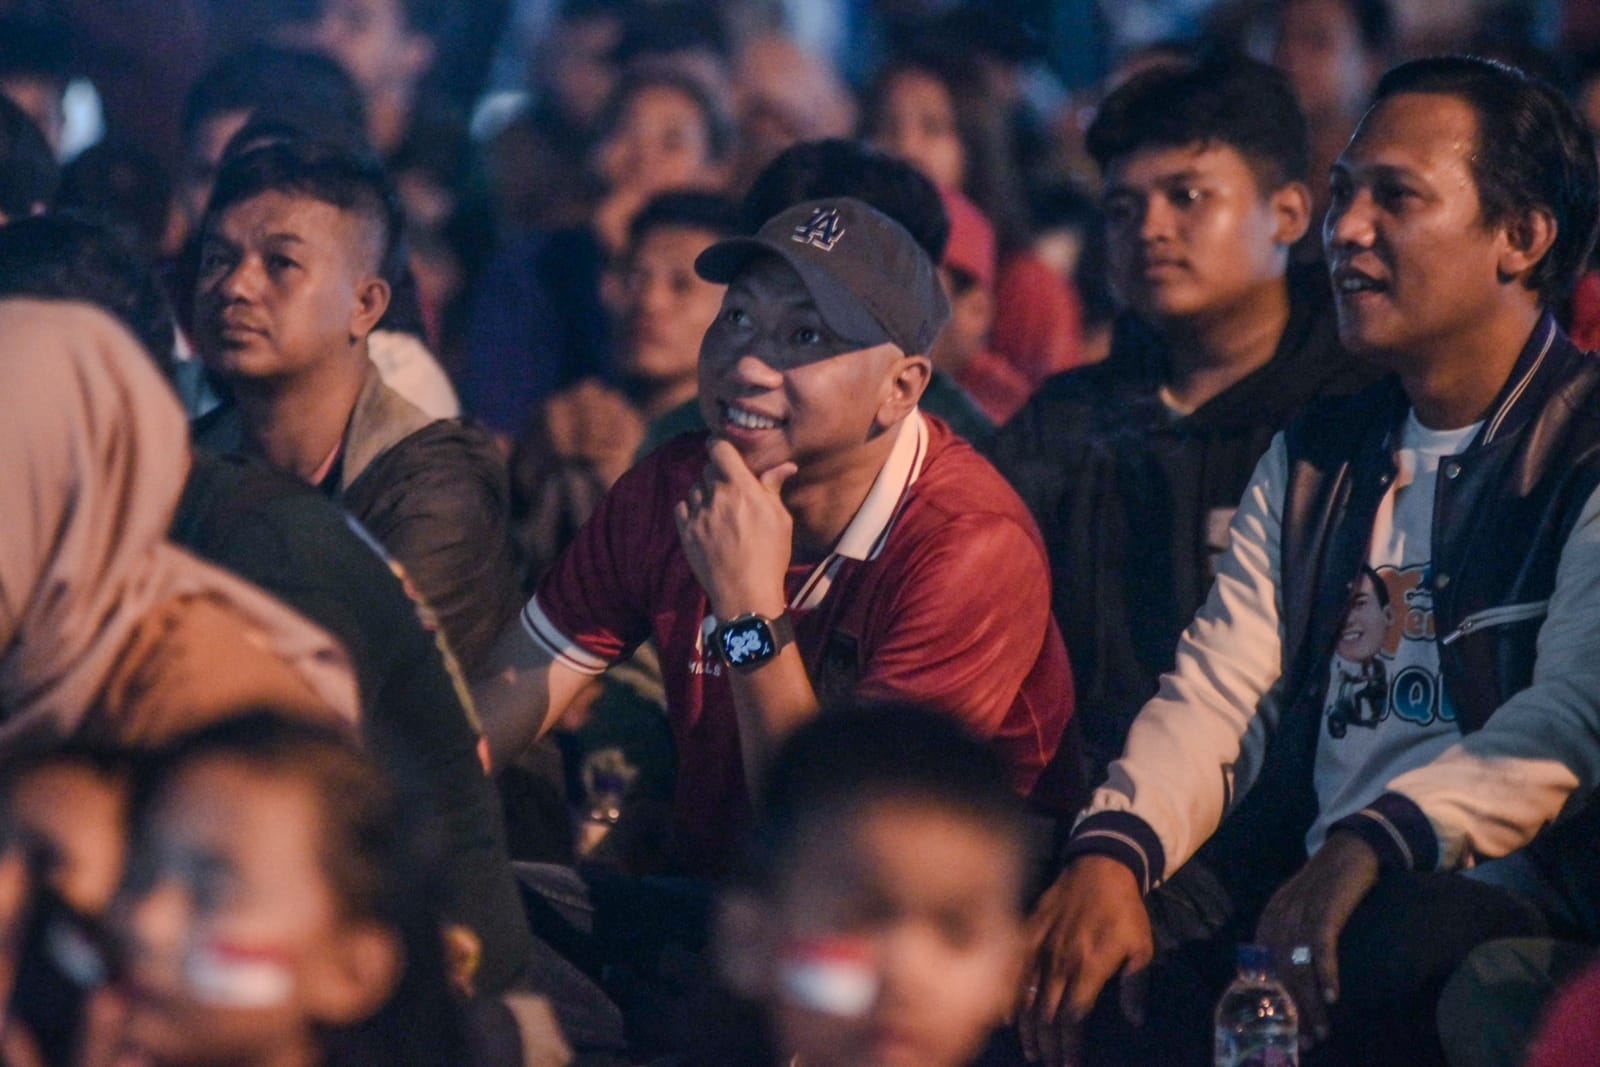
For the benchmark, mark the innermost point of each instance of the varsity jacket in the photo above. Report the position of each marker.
(1516, 551)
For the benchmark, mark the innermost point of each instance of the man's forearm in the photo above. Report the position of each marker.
(772, 700)
(521, 693)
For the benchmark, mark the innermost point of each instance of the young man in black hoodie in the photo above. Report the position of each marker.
(1134, 467)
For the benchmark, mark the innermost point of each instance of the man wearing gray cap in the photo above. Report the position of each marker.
(826, 541)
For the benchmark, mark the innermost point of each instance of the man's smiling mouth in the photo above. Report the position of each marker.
(746, 419)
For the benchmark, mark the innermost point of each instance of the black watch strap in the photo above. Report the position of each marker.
(782, 629)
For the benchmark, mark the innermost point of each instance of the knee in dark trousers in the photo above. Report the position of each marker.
(1400, 947)
(1395, 955)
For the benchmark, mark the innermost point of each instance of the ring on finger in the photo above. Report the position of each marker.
(1300, 956)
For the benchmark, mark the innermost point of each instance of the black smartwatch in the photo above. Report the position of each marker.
(751, 640)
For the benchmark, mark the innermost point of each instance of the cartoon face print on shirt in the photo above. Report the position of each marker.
(1367, 620)
(1389, 608)
(1359, 688)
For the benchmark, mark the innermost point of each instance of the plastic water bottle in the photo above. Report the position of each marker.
(1257, 1025)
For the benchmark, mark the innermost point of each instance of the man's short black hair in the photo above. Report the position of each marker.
(849, 757)
(818, 170)
(67, 257)
(286, 81)
(29, 173)
(1533, 150)
(686, 209)
(354, 184)
(1215, 100)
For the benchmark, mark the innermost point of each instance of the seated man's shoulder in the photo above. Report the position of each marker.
(1082, 403)
(1082, 392)
(442, 452)
(960, 490)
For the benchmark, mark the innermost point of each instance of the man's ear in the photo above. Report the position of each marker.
(908, 378)
(1529, 236)
(372, 300)
(1291, 210)
(354, 975)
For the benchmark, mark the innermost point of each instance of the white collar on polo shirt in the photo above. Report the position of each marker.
(868, 531)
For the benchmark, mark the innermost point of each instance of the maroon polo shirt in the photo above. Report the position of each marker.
(937, 592)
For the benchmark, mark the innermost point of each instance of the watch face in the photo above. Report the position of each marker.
(747, 642)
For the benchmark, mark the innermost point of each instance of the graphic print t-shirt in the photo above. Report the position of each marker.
(1384, 711)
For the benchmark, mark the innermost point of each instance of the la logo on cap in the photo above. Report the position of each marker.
(822, 230)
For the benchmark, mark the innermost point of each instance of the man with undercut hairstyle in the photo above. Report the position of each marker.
(296, 245)
(1372, 827)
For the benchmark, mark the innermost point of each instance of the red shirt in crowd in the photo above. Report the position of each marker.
(1570, 1032)
(997, 387)
(1584, 329)
(1037, 321)
(938, 592)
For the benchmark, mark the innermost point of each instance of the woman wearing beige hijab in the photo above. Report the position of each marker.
(106, 629)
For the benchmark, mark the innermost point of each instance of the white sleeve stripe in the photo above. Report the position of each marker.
(1146, 880)
(1393, 831)
(549, 637)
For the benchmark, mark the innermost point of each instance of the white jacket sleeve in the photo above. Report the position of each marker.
(1539, 753)
(1197, 745)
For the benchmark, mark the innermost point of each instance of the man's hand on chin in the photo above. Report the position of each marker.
(737, 533)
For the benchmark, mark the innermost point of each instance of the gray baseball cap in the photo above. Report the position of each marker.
(867, 275)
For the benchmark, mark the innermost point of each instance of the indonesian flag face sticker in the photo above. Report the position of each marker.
(831, 975)
(229, 974)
